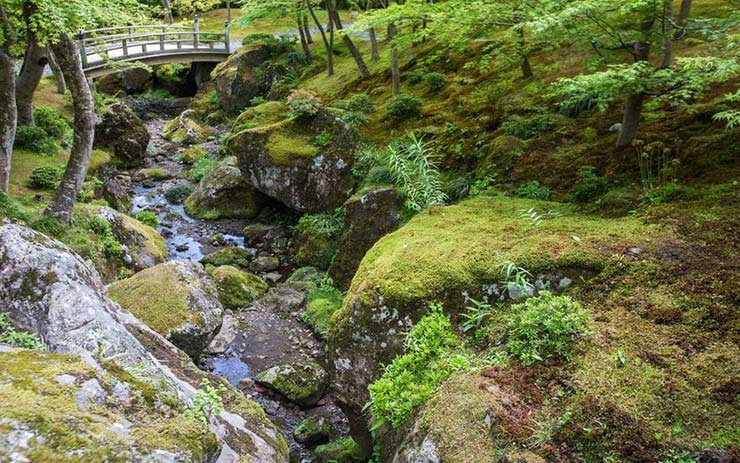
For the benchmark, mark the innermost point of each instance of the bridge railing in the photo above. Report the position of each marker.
(128, 42)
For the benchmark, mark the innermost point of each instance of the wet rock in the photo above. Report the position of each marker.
(236, 288)
(129, 82)
(367, 218)
(342, 451)
(305, 278)
(258, 235)
(282, 298)
(265, 264)
(178, 193)
(177, 300)
(283, 161)
(302, 383)
(237, 79)
(116, 195)
(121, 131)
(226, 335)
(152, 175)
(313, 431)
(223, 193)
(237, 257)
(186, 130)
(48, 290)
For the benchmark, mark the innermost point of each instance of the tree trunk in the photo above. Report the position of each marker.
(58, 74)
(69, 60)
(527, 72)
(667, 42)
(374, 53)
(8, 112)
(32, 71)
(306, 29)
(395, 71)
(684, 12)
(302, 33)
(361, 66)
(327, 45)
(635, 100)
(168, 11)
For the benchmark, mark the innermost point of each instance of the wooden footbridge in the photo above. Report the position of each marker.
(104, 51)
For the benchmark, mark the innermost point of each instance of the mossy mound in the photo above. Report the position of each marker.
(186, 130)
(223, 193)
(175, 299)
(192, 154)
(303, 383)
(451, 253)
(237, 257)
(57, 408)
(314, 250)
(121, 131)
(341, 451)
(152, 174)
(313, 430)
(261, 115)
(236, 288)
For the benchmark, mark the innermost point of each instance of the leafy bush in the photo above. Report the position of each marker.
(10, 336)
(45, 177)
(588, 184)
(404, 107)
(544, 327)
(207, 402)
(355, 119)
(201, 168)
(379, 175)
(433, 354)
(533, 190)
(35, 139)
(435, 81)
(417, 75)
(323, 139)
(526, 127)
(53, 123)
(361, 103)
(303, 103)
(327, 225)
(415, 172)
(148, 218)
(178, 193)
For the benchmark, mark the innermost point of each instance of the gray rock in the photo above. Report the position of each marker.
(265, 264)
(237, 79)
(121, 131)
(91, 393)
(313, 431)
(302, 383)
(225, 336)
(116, 195)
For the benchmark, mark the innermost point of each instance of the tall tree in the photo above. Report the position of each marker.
(8, 113)
(57, 72)
(328, 45)
(32, 70)
(331, 6)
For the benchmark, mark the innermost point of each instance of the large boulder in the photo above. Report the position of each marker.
(223, 193)
(122, 131)
(285, 161)
(238, 80)
(303, 383)
(129, 82)
(236, 288)
(142, 246)
(367, 218)
(140, 383)
(447, 255)
(177, 300)
(185, 129)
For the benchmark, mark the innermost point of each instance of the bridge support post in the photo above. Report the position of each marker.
(227, 36)
(83, 53)
(196, 31)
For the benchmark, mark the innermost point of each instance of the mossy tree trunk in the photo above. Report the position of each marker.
(667, 33)
(526, 66)
(306, 28)
(395, 71)
(635, 99)
(34, 62)
(334, 15)
(8, 112)
(327, 45)
(301, 31)
(68, 57)
(374, 53)
(58, 74)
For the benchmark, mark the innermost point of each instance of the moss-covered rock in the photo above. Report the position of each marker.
(129, 82)
(236, 288)
(367, 218)
(186, 130)
(192, 154)
(261, 115)
(223, 193)
(451, 253)
(313, 431)
(343, 450)
(237, 257)
(177, 300)
(152, 174)
(303, 383)
(121, 131)
(283, 161)
(314, 250)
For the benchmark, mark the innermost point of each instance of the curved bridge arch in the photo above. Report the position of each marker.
(102, 49)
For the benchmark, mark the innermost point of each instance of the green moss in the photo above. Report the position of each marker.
(323, 302)
(302, 383)
(228, 256)
(236, 288)
(98, 160)
(340, 451)
(157, 297)
(315, 250)
(264, 114)
(284, 147)
(186, 131)
(192, 154)
(152, 174)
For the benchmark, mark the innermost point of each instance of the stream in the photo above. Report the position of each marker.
(268, 333)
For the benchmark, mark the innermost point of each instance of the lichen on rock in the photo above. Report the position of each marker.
(303, 383)
(236, 288)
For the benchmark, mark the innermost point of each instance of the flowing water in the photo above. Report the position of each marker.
(269, 332)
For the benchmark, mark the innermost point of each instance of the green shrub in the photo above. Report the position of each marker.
(415, 172)
(323, 139)
(35, 139)
(303, 103)
(10, 208)
(355, 119)
(45, 177)
(588, 184)
(148, 218)
(10, 336)
(379, 175)
(178, 193)
(433, 354)
(327, 225)
(361, 103)
(416, 76)
(435, 81)
(201, 168)
(544, 327)
(53, 123)
(404, 107)
(533, 190)
(526, 127)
